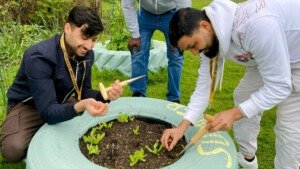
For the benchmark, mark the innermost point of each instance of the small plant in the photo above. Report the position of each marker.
(136, 130)
(93, 149)
(138, 155)
(93, 138)
(105, 125)
(124, 118)
(156, 149)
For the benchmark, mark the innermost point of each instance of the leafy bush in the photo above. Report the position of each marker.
(13, 45)
(47, 13)
(119, 33)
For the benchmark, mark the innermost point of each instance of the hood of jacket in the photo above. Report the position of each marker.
(221, 15)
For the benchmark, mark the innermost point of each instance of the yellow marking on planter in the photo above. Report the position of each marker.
(179, 113)
(221, 140)
(216, 151)
(176, 107)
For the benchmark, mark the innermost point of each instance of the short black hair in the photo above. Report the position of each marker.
(81, 15)
(184, 22)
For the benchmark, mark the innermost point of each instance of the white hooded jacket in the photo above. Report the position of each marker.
(261, 33)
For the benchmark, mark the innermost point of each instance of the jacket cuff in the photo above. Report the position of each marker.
(135, 34)
(249, 108)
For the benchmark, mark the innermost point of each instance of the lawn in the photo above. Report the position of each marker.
(157, 89)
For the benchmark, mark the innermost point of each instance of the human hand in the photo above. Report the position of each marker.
(170, 138)
(116, 91)
(224, 120)
(95, 108)
(134, 43)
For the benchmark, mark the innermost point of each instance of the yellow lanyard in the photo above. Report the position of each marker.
(71, 72)
(213, 73)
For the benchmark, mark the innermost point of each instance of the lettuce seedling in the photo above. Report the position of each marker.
(93, 138)
(136, 130)
(93, 149)
(139, 155)
(156, 149)
(104, 125)
(123, 118)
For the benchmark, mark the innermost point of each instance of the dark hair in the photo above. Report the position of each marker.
(81, 15)
(184, 22)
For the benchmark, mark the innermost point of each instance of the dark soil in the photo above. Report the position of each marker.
(120, 141)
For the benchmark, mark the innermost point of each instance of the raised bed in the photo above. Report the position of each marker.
(57, 146)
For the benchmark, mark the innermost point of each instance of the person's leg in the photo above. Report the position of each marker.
(175, 60)
(20, 125)
(140, 59)
(247, 130)
(287, 127)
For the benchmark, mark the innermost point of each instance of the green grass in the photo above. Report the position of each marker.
(157, 89)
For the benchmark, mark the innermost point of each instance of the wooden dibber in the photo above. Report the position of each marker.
(104, 90)
(201, 132)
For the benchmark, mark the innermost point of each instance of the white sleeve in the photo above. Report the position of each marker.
(265, 40)
(183, 3)
(199, 99)
(130, 15)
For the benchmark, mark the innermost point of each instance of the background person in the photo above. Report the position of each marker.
(152, 15)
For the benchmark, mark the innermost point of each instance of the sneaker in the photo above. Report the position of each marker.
(244, 164)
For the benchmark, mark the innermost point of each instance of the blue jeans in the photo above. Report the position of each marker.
(148, 23)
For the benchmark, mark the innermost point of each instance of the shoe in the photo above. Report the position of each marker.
(176, 101)
(244, 164)
(137, 94)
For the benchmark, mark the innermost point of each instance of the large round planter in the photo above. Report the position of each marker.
(121, 60)
(57, 146)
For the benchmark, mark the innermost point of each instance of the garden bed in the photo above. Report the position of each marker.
(58, 146)
(120, 141)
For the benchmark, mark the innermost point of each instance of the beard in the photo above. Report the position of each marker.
(214, 49)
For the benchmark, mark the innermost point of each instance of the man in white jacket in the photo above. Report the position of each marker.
(263, 35)
(152, 15)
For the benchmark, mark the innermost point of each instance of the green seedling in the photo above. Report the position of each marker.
(104, 125)
(93, 138)
(124, 118)
(93, 149)
(156, 149)
(109, 125)
(139, 155)
(136, 130)
(131, 118)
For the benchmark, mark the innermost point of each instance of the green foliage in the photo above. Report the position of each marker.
(93, 149)
(51, 11)
(105, 125)
(156, 148)
(93, 138)
(136, 130)
(3, 89)
(138, 155)
(119, 34)
(13, 45)
(124, 118)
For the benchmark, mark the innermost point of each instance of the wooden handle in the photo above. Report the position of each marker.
(202, 131)
(209, 118)
(103, 91)
(123, 83)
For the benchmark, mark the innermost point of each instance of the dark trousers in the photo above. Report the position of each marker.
(21, 123)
